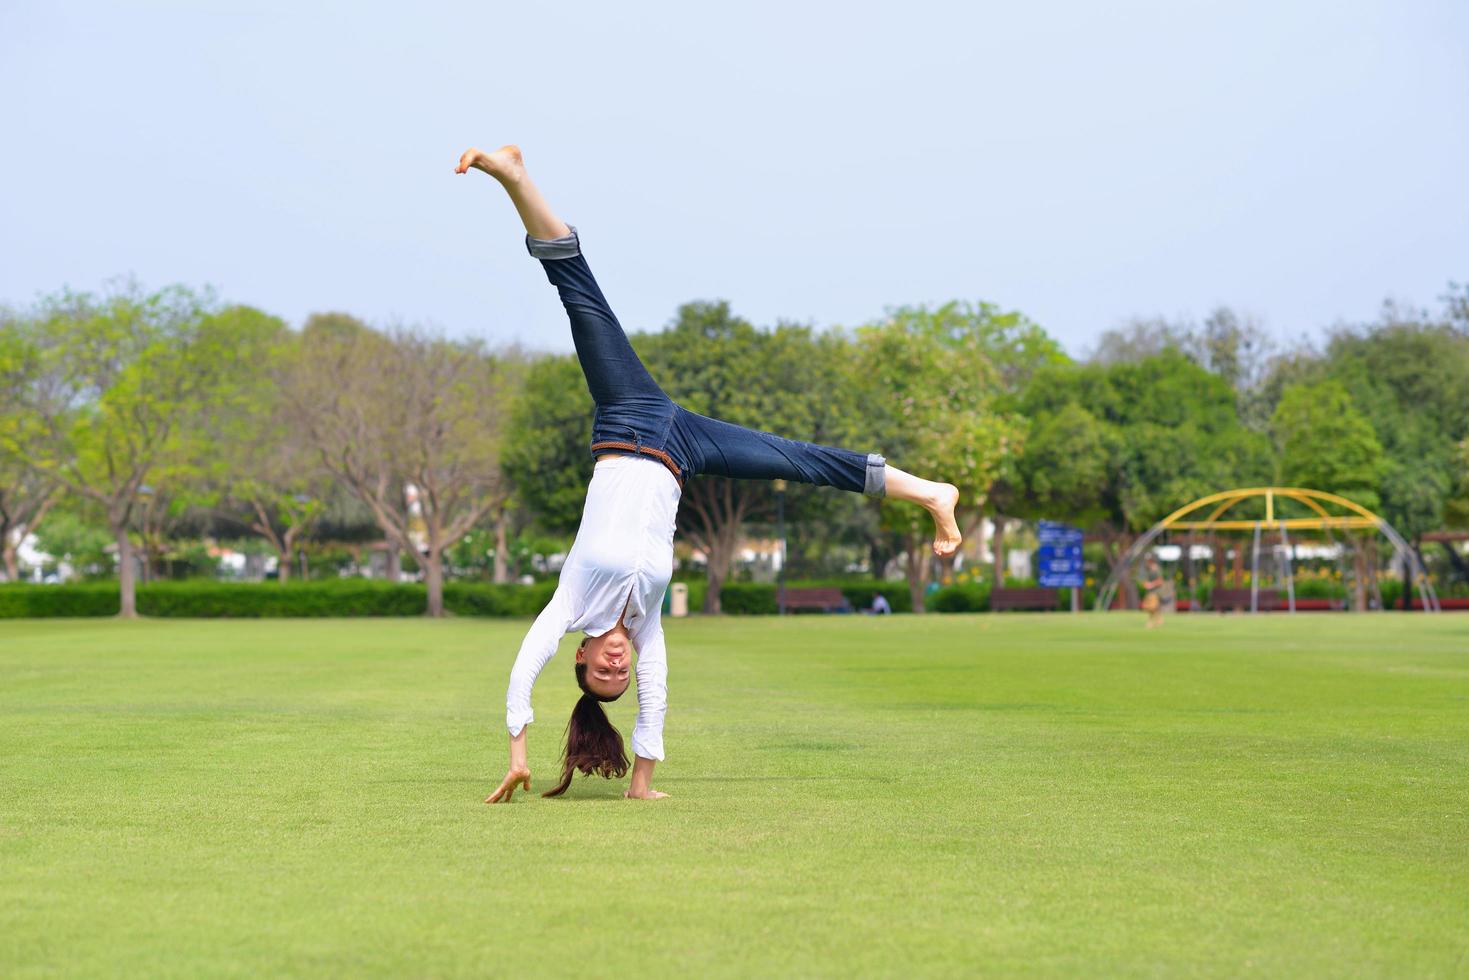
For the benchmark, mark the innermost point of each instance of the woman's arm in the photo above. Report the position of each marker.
(518, 774)
(538, 647)
(647, 730)
(641, 787)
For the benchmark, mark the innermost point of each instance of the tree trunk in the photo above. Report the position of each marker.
(126, 583)
(433, 579)
(287, 556)
(394, 571)
(502, 546)
(720, 556)
(1406, 602)
(1372, 573)
(1115, 546)
(1188, 566)
(980, 538)
(16, 528)
(9, 548)
(1359, 576)
(918, 566)
(999, 548)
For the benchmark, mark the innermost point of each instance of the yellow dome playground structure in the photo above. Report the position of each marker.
(1272, 518)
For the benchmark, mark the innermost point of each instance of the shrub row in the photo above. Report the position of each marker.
(367, 597)
(975, 597)
(762, 599)
(249, 600)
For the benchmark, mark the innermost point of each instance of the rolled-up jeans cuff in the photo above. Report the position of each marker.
(565, 247)
(877, 478)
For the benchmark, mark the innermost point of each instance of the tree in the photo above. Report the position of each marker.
(1147, 436)
(1140, 338)
(76, 534)
(787, 380)
(113, 390)
(930, 386)
(1456, 509)
(1068, 455)
(25, 497)
(268, 476)
(1323, 443)
(1231, 345)
(546, 457)
(1409, 375)
(412, 424)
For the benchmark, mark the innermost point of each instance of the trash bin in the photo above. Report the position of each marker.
(678, 599)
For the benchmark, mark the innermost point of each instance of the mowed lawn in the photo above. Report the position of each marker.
(852, 796)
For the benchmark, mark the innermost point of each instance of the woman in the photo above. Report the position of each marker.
(645, 447)
(1153, 589)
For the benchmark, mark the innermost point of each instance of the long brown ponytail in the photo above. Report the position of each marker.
(593, 744)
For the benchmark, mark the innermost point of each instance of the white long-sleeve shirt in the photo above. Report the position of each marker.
(621, 560)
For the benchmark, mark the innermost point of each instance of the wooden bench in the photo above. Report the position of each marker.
(1002, 599)
(824, 600)
(1239, 600)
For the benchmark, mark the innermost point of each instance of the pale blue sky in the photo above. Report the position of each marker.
(1081, 162)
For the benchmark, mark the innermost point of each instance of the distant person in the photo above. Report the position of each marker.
(880, 605)
(1153, 585)
(645, 446)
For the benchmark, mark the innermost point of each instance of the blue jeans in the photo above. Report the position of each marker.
(635, 416)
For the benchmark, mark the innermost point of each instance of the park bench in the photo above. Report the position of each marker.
(1002, 599)
(824, 600)
(1239, 600)
(1456, 602)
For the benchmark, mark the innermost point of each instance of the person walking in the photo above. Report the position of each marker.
(1153, 589)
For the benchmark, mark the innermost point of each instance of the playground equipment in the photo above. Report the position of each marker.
(1328, 514)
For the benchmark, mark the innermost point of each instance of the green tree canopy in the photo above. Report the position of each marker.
(546, 458)
(114, 392)
(936, 400)
(789, 380)
(1119, 446)
(1409, 375)
(1324, 443)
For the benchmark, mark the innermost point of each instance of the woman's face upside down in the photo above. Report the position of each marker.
(609, 662)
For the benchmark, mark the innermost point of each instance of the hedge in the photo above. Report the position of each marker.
(370, 597)
(762, 598)
(250, 600)
(975, 597)
(19, 601)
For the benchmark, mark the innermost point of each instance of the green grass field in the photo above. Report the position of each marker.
(851, 797)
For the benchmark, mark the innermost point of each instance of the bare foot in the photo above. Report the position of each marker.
(651, 794)
(504, 164)
(946, 538)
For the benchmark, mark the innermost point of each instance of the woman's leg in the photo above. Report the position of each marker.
(506, 166)
(615, 375)
(724, 449)
(939, 499)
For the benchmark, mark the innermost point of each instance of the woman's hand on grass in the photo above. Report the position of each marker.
(516, 775)
(641, 787)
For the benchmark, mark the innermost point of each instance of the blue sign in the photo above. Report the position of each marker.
(1059, 556)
